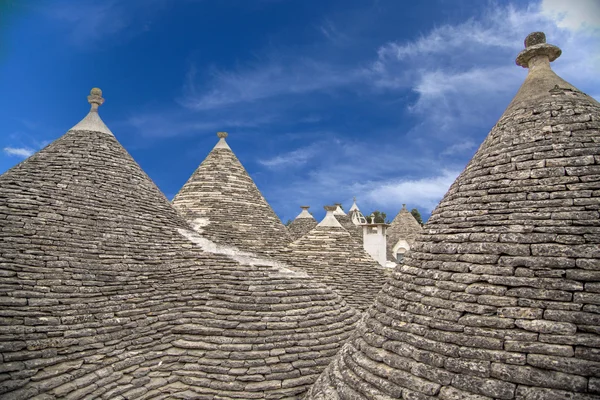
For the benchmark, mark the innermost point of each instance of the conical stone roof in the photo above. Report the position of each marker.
(302, 224)
(222, 200)
(331, 256)
(499, 296)
(404, 226)
(346, 222)
(108, 293)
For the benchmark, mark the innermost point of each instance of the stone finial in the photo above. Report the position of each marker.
(305, 207)
(535, 38)
(221, 135)
(95, 99)
(330, 208)
(537, 51)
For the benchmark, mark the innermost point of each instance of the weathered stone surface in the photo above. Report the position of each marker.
(500, 289)
(221, 201)
(334, 258)
(403, 227)
(111, 294)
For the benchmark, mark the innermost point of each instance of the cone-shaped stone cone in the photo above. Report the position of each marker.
(346, 221)
(331, 256)
(303, 223)
(404, 227)
(498, 299)
(222, 202)
(107, 293)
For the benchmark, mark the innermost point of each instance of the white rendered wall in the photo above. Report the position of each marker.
(374, 242)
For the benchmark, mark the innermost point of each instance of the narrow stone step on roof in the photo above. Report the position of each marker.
(331, 256)
(302, 224)
(107, 291)
(222, 202)
(498, 299)
(402, 233)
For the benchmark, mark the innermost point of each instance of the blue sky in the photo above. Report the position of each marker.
(384, 100)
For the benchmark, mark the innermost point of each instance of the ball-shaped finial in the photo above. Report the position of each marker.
(221, 135)
(330, 208)
(95, 98)
(535, 38)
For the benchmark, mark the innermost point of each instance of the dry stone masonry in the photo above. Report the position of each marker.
(346, 221)
(500, 296)
(331, 256)
(404, 227)
(107, 293)
(222, 202)
(302, 224)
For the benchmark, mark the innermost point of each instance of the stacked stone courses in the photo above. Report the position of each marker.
(222, 202)
(302, 224)
(403, 226)
(330, 255)
(107, 293)
(500, 296)
(354, 230)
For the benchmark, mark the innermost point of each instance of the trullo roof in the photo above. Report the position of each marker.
(303, 223)
(222, 201)
(404, 226)
(331, 256)
(107, 292)
(498, 299)
(346, 221)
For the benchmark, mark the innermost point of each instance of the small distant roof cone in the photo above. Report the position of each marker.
(107, 291)
(355, 215)
(499, 297)
(303, 223)
(221, 201)
(403, 227)
(346, 221)
(331, 256)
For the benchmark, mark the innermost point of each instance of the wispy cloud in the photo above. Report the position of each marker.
(293, 158)
(574, 15)
(23, 152)
(265, 80)
(426, 191)
(91, 22)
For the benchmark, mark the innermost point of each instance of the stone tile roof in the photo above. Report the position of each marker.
(403, 226)
(499, 297)
(354, 230)
(108, 293)
(222, 202)
(331, 256)
(302, 224)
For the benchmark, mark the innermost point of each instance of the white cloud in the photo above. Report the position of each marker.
(574, 14)
(268, 79)
(19, 151)
(459, 148)
(426, 191)
(293, 158)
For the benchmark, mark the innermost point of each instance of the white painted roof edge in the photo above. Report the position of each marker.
(330, 220)
(92, 122)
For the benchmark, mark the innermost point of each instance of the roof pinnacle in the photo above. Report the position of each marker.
(95, 99)
(222, 135)
(537, 52)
